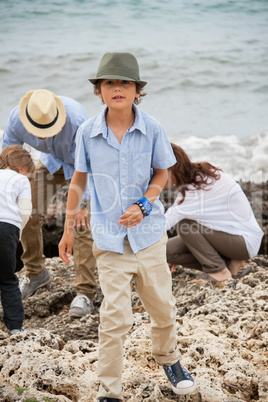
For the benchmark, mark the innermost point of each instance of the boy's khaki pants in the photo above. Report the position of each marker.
(153, 281)
(44, 187)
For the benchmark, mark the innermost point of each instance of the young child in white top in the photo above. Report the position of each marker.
(16, 167)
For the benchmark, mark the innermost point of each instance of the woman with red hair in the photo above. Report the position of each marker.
(216, 226)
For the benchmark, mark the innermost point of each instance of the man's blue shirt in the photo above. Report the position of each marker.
(56, 151)
(119, 174)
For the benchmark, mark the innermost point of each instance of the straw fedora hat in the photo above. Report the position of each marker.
(42, 113)
(118, 66)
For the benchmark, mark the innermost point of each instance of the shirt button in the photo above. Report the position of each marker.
(123, 159)
(124, 184)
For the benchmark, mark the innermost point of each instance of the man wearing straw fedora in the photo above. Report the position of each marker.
(49, 124)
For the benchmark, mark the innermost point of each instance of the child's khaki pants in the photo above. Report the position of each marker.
(153, 282)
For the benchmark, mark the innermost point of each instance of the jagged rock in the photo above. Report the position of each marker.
(263, 388)
(50, 305)
(36, 360)
(222, 336)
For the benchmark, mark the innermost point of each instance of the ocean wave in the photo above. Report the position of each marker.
(206, 70)
(5, 70)
(245, 161)
(207, 83)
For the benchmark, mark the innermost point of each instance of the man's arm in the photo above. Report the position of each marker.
(82, 222)
(75, 195)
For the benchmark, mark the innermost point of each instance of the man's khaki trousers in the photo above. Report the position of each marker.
(44, 187)
(153, 282)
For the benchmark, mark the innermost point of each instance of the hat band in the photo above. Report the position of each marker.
(41, 125)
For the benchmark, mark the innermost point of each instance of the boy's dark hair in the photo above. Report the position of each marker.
(15, 157)
(186, 173)
(97, 90)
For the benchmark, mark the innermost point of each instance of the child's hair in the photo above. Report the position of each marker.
(97, 91)
(15, 157)
(186, 173)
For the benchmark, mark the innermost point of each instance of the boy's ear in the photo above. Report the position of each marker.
(100, 95)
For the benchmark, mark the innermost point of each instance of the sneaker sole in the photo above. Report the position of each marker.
(184, 391)
(76, 314)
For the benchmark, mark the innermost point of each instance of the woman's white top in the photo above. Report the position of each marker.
(221, 206)
(14, 188)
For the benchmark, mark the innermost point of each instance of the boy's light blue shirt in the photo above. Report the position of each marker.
(119, 174)
(56, 151)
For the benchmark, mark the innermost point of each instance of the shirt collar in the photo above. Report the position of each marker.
(100, 126)
(139, 121)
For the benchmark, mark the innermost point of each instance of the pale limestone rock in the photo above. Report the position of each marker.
(37, 360)
(222, 336)
(263, 389)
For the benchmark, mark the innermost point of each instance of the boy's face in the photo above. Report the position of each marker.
(118, 94)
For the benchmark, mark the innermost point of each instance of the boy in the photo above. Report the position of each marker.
(126, 153)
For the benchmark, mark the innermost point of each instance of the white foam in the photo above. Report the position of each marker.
(246, 161)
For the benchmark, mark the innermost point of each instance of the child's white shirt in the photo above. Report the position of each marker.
(15, 198)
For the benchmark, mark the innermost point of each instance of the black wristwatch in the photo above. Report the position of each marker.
(83, 205)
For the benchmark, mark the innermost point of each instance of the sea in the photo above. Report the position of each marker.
(206, 64)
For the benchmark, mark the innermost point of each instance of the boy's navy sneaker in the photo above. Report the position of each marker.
(181, 381)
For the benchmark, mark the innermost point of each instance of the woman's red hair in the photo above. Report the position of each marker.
(186, 173)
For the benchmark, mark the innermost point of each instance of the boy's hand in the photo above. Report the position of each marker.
(132, 217)
(65, 246)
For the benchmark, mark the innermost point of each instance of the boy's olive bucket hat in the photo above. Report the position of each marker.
(118, 66)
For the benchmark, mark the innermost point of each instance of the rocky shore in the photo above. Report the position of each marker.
(222, 334)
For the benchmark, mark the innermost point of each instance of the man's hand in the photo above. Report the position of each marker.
(132, 217)
(66, 246)
(172, 267)
(81, 220)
